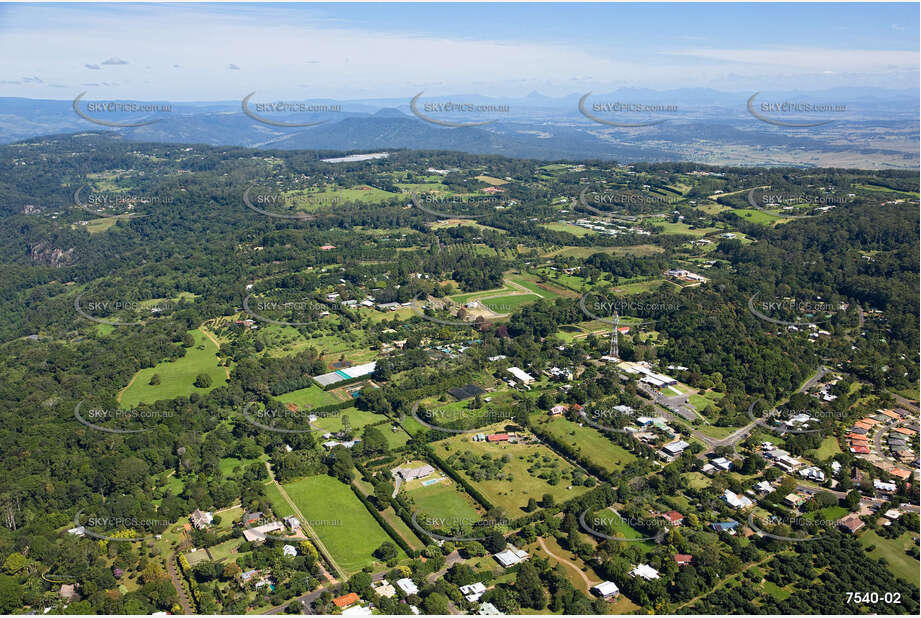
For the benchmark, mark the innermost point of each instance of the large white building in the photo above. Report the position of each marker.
(511, 556)
(407, 586)
(606, 590)
(473, 592)
(520, 375)
(645, 571)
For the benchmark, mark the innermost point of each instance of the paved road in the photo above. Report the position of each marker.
(739, 434)
(678, 404)
(451, 559)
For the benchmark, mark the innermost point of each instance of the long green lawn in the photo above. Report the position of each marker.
(351, 534)
(893, 550)
(177, 378)
(311, 397)
(512, 495)
(591, 443)
(508, 304)
(357, 419)
(443, 500)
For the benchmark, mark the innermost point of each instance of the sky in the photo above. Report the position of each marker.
(204, 52)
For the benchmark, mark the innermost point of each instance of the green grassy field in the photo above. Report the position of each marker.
(830, 513)
(681, 228)
(95, 226)
(395, 439)
(177, 377)
(716, 432)
(508, 304)
(357, 534)
(309, 200)
(513, 492)
(900, 564)
(279, 504)
(614, 524)
(828, 448)
(491, 180)
(468, 296)
(696, 480)
(311, 397)
(575, 230)
(443, 500)
(584, 252)
(224, 550)
(357, 419)
(229, 463)
(545, 290)
(640, 287)
(760, 217)
(591, 443)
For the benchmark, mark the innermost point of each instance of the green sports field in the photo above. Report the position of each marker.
(177, 378)
(350, 533)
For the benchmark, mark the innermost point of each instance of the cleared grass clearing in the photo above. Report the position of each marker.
(508, 304)
(760, 217)
(569, 228)
(641, 287)
(177, 377)
(443, 500)
(682, 228)
(496, 182)
(828, 448)
(311, 397)
(893, 550)
(468, 296)
(584, 252)
(358, 419)
(513, 492)
(309, 200)
(545, 289)
(591, 443)
(350, 533)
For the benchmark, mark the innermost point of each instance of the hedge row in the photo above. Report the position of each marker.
(383, 522)
(459, 479)
(567, 452)
(401, 507)
(186, 570)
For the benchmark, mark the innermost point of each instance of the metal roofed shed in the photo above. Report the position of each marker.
(341, 375)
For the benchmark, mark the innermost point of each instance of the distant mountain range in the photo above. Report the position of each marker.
(878, 128)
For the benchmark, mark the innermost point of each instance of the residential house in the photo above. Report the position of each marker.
(795, 500)
(725, 526)
(851, 523)
(407, 586)
(606, 590)
(473, 592)
(346, 600)
(736, 501)
(201, 519)
(645, 571)
(511, 556)
(673, 517)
